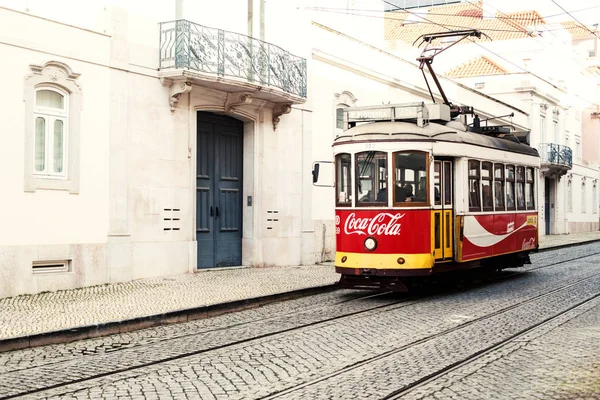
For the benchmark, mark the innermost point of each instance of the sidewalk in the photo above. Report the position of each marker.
(54, 317)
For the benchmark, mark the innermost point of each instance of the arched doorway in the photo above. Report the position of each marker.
(219, 156)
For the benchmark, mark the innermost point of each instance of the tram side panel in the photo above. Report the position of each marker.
(498, 234)
(403, 240)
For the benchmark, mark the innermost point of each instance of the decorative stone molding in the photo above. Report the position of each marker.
(346, 98)
(278, 111)
(177, 89)
(544, 107)
(570, 178)
(583, 179)
(556, 112)
(237, 99)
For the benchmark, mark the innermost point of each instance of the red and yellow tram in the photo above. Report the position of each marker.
(418, 193)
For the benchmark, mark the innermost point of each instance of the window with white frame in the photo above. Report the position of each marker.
(339, 116)
(52, 99)
(578, 148)
(569, 196)
(583, 210)
(542, 129)
(50, 115)
(594, 198)
(342, 101)
(555, 131)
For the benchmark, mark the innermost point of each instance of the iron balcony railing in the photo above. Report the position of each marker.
(184, 44)
(556, 154)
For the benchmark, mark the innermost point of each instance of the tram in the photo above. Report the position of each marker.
(418, 193)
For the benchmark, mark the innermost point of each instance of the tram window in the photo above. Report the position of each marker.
(371, 178)
(529, 197)
(410, 177)
(499, 187)
(510, 187)
(436, 182)
(474, 197)
(447, 183)
(486, 186)
(343, 180)
(520, 188)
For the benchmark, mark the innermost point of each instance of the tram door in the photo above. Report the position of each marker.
(442, 214)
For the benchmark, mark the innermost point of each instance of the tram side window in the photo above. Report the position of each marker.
(371, 178)
(529, 193)
(499, 187)
(410, 177)
(343, 180)
(510, 187)
(486, 186)
(520, 188)
(437, 166)
(474, 197)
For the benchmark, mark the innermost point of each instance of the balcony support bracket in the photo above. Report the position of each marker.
(278, 111)
(177, 89)
(237, 99)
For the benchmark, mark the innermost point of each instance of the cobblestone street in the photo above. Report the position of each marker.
(530, 333)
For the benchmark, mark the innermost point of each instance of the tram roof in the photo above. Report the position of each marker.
(406, 131)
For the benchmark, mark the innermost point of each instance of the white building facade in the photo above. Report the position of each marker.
(148, 141)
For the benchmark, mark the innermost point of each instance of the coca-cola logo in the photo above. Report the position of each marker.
(528, 244)
(381, 224)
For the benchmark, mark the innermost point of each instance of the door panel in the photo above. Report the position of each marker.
(219, 191)
(442, 215)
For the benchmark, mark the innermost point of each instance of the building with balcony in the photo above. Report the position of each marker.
(547, 69)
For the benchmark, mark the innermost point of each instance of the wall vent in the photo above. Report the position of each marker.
(54, 266)
(171, 219)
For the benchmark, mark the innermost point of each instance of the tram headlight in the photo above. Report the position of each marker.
(370, 243)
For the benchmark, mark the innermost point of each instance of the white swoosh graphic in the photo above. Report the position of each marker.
(479, 236)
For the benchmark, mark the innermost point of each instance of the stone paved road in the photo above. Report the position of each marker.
(243, 356)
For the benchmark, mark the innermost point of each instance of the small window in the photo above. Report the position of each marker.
(520, 188)
(410, 178)
(50, 145)
(569, 196)
(529, 188)
(343, 180)
(486, 186)
(583, 194)
(595, 199)
(499, 187)
(447, 183)
(339, 118)
(474, 195)
(371, 178)
(437, 166)
(510, 187)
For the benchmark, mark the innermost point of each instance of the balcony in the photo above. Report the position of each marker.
(555, 159)
(230, 62)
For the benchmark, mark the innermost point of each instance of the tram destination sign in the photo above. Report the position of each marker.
(373, 114)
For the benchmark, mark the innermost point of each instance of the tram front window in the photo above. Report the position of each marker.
(410, 178)
(343, 172)
(371, 178)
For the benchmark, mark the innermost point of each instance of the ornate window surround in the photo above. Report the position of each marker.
(58, 75)
(342, 100)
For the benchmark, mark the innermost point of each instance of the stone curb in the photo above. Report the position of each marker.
(111, 328)
(562, 246)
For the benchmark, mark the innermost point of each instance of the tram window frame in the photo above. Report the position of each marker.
(414, 182)
(520, 187)
(487, 201)
(343, 160)
(437, 182)
(508, 170)
(374, 176)
(474, 182)
(499, 179)
(447, 183)
(530, 187)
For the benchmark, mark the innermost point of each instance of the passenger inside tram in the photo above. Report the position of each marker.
(422, 190)
(404, 192)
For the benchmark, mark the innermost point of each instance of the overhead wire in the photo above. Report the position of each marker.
(485, 48)
(595, 82)
(589, 30)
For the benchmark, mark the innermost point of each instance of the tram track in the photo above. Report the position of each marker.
(482, 353)
(388, 306)
(426, 379)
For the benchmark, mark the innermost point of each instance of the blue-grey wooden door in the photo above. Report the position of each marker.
(219, 191)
